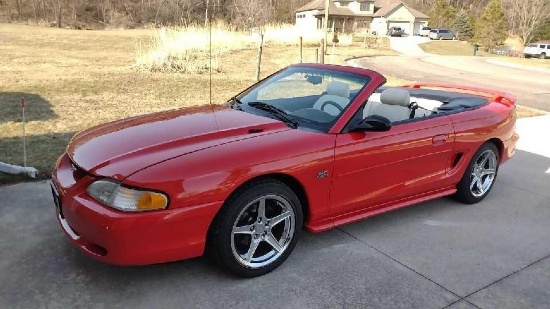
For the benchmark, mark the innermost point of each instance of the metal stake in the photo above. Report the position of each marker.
(24, 134)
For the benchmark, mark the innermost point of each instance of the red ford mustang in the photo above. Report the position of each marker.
(311, 145)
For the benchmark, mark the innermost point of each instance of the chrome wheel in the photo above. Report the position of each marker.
(262, 231)
(483, 173)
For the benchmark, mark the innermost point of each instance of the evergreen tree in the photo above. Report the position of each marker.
(442, 15)
(491, 28)
(463, 25)
(542, 33)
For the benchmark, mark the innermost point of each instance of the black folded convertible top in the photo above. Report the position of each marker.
(452, 101)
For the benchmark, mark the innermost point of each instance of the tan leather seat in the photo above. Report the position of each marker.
(395, 105)
(373, 101)
(337, 92)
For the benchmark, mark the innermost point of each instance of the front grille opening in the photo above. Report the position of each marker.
(96, 249)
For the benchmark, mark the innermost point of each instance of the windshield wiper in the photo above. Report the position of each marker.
(277, 112)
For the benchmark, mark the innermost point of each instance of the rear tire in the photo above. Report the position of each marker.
(257, 228)
(480, 175)
(543, 56)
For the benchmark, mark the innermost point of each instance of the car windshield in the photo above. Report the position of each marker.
(312, 98)
(434, 30)
(426, 28)
(532, 45)
(444, 31)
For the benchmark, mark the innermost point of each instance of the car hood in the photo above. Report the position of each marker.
(121, 148)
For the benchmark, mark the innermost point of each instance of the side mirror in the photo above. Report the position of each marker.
(373, 123)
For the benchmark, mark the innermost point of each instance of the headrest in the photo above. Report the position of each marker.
(395, 96)
(338, 88)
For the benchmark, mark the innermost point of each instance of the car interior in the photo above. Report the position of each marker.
(394, 103)
(397, 104)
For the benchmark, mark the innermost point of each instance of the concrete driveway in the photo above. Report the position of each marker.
(408, 45)
(439, 254)
(532, 87)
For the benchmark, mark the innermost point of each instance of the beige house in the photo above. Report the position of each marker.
(361, 16)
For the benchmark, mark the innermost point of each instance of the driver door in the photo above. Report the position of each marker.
(373, 169)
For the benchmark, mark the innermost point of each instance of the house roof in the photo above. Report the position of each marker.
(389, 5)
(313, 5)
(384, 7)
(320, 6)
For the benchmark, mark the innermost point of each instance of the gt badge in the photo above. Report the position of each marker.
(322, 174)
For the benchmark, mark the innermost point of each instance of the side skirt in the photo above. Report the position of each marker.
(350, 217)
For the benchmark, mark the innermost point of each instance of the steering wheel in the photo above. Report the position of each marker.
(331, 103)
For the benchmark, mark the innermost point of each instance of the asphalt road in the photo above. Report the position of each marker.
(530, 86)
(439, 254)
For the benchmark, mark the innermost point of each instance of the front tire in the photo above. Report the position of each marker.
(480, 175)
(257, 228)
(543, 56)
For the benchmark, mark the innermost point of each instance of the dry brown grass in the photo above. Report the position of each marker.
(188, 48)
(76, 79)
(524, 112)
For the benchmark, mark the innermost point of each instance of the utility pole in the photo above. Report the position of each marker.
(325, 30)
(206, 13)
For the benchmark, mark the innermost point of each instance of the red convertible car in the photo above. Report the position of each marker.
(314, 146)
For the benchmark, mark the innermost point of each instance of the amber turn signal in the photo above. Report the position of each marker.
(152, 201)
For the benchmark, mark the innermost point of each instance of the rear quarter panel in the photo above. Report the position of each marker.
(475, 127)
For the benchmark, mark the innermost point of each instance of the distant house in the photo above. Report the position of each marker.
(361, 16)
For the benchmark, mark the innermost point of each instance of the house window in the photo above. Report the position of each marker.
(344, 3)
(365, 6)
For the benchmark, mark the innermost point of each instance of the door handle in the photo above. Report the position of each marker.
(439, 139)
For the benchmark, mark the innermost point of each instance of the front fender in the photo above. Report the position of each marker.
(211, 175)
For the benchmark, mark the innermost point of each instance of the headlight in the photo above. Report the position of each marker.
(115, 195)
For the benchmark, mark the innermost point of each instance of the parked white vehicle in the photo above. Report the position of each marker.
(425, 31)
(539, 50)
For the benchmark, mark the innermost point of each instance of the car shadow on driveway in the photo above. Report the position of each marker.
(36, 107)
(380, 262)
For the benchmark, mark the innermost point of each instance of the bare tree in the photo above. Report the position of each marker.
(525, 16)
(252, 13)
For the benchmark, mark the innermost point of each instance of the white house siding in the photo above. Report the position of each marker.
(306, 20)
(355, 6)
(379, 26)
(401, 17)
(418, 25)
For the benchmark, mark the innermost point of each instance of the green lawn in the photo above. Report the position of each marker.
(460, 48)
(452, 48)
(531, 62)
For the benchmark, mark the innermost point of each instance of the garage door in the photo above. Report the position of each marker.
(403, 25)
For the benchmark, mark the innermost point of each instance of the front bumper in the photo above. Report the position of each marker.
(120, 238)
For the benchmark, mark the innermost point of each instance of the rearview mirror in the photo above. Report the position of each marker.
(314, 79)
(373, 123)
